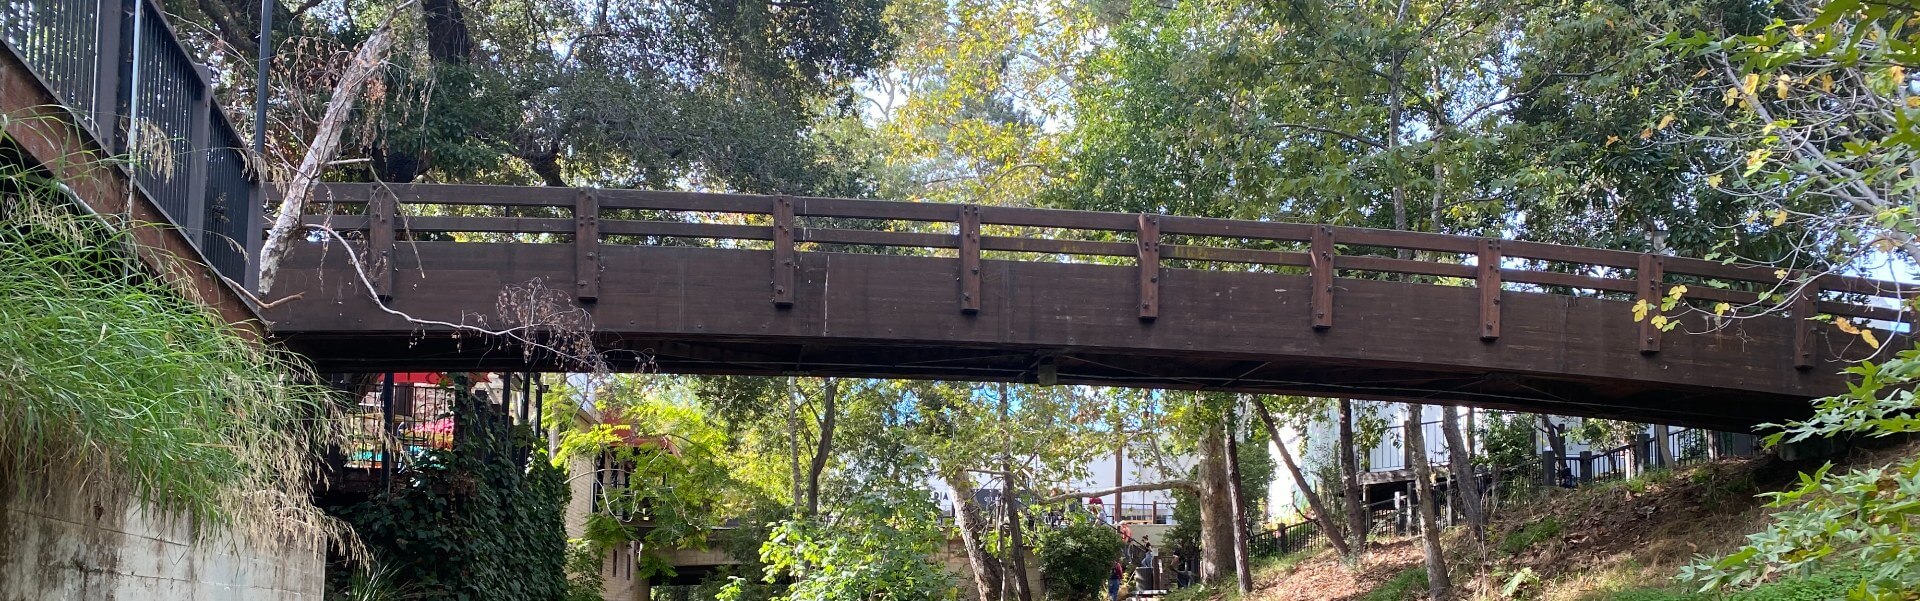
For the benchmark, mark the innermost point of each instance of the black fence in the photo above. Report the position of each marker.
(1287, 539)
(1683, 447)
(120, 70)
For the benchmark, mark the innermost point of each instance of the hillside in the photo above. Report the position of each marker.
(1611, 542)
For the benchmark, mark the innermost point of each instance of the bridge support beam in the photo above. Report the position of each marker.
(969, 259)
(1149, 242)
(1652, 277)
(1321, 247)
(586, 247)
(1489, 283)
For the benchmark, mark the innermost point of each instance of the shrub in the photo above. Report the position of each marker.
(1076, 559)
(1530, 535)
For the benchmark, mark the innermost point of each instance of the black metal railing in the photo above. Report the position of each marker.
(118, 67)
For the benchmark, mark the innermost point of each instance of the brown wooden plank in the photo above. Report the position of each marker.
(1653, 280)
(1397, 239)
(449, 194)
(1870, 287)
(493, 225)
(1570, 254)
(1567, 280)
(1724, 295)
(682, 229)
(1488, 279)
(1058, 218)
(1802, 311)
(1321, 273)
(1234, 228)
(1233, 255)
(586, 246)
(1059, 247)
(1408, 266)
(1863, 311)
(379, 257)
(969, 259)
(1149, 266)
(784, 261)
(1722, 271)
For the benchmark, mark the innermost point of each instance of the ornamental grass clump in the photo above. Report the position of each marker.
(115, 386)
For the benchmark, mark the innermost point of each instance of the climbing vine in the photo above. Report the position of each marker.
(481, 521)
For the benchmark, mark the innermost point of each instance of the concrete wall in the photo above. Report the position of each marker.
(66, 549)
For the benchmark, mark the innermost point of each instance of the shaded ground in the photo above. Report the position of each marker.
(1574, 545)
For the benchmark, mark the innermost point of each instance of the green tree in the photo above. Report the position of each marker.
(1076, 558)
(880, 546)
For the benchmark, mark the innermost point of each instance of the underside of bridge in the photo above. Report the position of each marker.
(707, 311)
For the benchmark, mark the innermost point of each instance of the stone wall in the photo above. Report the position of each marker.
(66, 549)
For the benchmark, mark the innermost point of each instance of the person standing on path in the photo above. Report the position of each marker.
(1147, 568)
(1113, 581)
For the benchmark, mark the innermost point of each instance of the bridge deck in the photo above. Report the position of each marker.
(732, 284)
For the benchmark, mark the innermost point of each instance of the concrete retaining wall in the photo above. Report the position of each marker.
(65, 549)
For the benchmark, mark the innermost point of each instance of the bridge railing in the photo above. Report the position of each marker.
(119, 69)
(786, 225)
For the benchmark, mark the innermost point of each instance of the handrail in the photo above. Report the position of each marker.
(185, 156)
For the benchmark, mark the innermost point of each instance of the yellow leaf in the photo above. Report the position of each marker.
(1714, 180)
(1846, 325)
(1826, 82)
(1867, 336)
(1646, 133)
(1753, 218)
(1635, 92)
(1750, 83)
(1721, 308)
(1665, 121)
(1697, 74)
(1897, 73)
(1660, 321)
(1780, 274)
(1610, 141)
(1779, 217)
(1913, 102)
(1780, 86)
(1677, 290)
(1640, 310)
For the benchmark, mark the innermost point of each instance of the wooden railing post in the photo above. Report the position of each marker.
(1652, 278)
(1489, 283)
(1149, 242)
(969, 259)
(784, 262)
(586, 247)
(382, 207)
(1322, 276)
(1804, 334)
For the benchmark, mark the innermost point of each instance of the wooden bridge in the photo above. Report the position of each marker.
(768, 285)
(734, 284)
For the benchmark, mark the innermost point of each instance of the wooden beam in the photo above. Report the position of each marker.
(1322, 276)
(969, 259)
(1489, 283)
(1652, 276)
(1149, 242)
(1804, 332)
(586, 246)
(784, 262)
(381, 211)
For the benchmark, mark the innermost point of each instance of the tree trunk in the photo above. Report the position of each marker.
(1018, 552)
(1242, 571)
(1357, 515)
(1438, 585)
(966, 516)
(1466, 484)
(829, 410)
(1216, 513)
(1319, 508)
(793, 445)
(325, 144)
(1556, 442)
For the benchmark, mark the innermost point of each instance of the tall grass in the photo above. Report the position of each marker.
(112, 383)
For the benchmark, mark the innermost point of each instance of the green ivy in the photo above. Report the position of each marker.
(479, 522)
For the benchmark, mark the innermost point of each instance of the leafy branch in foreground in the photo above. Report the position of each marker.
(118, 384)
